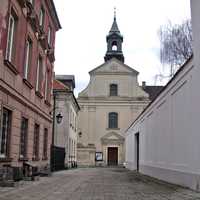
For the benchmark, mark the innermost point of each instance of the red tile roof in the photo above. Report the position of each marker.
(57, 85)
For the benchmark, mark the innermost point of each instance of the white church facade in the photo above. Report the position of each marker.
(163, 141)
(110, 102)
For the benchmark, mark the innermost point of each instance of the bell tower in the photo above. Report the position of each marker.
(114, 42)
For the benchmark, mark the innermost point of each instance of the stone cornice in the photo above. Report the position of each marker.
(112, 141)
(129, 104)
(121, 102)
(111, 99)
(114, 73)
(64, 95)
(53, 13)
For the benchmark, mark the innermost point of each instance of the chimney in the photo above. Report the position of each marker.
(143, 84)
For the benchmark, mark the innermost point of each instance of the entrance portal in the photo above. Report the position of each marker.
(112, 156)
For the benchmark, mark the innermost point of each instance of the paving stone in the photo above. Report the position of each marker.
(97, 184)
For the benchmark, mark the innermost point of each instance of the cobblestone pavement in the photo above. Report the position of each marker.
(97, 184)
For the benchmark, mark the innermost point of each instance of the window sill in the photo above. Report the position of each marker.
(5, 159)
(112, 128)
(23, 159)
(38, 93)
(11, 66)
(27, 83)
(45, 158)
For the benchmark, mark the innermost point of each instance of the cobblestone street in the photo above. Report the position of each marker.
(97, 184)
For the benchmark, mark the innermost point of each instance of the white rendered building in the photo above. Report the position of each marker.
(164, 140)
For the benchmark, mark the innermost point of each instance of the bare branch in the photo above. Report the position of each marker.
(175, 44)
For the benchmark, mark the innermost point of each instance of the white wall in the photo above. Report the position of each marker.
(66, 131)
(169, 128)
(169, 136)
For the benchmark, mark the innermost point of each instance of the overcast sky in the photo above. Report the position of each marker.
(81, 43)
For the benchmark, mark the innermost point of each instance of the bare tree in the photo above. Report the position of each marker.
(175, 44)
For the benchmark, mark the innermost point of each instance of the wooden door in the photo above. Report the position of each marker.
(112, 156)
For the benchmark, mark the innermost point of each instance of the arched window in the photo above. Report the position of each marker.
(113, 120)
(113, 90)
(114, 46)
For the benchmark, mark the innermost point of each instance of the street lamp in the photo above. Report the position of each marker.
(58, 118)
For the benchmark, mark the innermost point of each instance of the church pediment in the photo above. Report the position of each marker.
(113, 66)
(112, 136)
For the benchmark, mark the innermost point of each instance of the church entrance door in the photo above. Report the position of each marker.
(112, 156)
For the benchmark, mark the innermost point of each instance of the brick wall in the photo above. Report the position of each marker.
(16, 93)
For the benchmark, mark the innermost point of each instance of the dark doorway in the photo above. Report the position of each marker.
(57, 158)
(112, 156)
(137, 150)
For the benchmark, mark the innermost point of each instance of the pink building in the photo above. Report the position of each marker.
(27, 38)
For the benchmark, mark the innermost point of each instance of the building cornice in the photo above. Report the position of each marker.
(65, 94)
(114, 73)
(52, 10)
(112, 99)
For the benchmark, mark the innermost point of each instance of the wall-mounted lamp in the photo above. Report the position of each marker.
(80, 134)
(59, 118)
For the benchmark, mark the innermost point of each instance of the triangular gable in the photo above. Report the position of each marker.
(112, 136)
(57, 85)
(113, 66)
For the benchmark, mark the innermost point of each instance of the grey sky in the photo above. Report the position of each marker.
(81, 44)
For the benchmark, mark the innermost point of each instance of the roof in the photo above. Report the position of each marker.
(55, 15)
(66, 78)
(114, 59)
(57, 85)
(153, 91)
(114, 28)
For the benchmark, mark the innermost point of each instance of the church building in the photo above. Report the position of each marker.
(110, 102)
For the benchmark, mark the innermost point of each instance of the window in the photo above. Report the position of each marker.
(69, 147)
(5, 132)
(11, 38)
(75, 124)
(41, 17)
(113, 90)
(49, 36)
(113, 120)
(74, 149)
(114, 46)
(28, 55)
(36, 142)
(45, 143)
(39, 73)
(23, 138)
